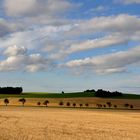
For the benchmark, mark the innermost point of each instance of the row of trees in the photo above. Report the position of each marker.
(103, 93)
(11, 90)
(23, 100)
(46, 102)
(108, 104)
(73, 104)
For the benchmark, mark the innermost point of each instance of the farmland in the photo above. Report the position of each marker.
(38, 122)
(73, 98)
(35, 123)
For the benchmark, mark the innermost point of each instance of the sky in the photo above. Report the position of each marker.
(70, 45)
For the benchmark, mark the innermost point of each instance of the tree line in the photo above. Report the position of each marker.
(104, 93)
(11, 90)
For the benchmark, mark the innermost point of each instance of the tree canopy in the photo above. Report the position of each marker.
(11, 90)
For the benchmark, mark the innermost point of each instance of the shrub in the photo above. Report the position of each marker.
(104, 106)
(80, 105)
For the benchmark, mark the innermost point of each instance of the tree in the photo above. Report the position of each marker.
(99, 105)
(81, 105)
(86, 104)
(61, 103)
(131, 106)
(104, 106)
(126, 105)
(38, 103)
(46, 103)
(62, 92)
(74, 104)
(115, 106)
(22, 100)
(11, 90)
(109, 104)
(6, 101)
(68, 104)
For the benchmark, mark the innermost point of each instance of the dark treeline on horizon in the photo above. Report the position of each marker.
(11, 90)
(104, 93)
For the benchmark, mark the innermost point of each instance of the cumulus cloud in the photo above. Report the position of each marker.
(110, 63)
(14, 50)
(51, 36)
(17, 59)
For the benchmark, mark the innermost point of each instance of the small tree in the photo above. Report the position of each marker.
(38, 103)
(131, 106)
(99, 105)
(86, 104)
(109, 104)
(115, 106)
(104, 106)
(46, 103)
(126, 105)
(6, 101)
(74, 104)
(22, 101)
(61, 103)
(81, 105)
(68, 104)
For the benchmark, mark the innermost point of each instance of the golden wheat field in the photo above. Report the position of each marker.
(41, 123)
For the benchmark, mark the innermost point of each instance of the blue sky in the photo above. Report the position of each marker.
(55, 45)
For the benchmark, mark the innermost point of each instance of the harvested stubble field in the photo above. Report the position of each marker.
(41, 123)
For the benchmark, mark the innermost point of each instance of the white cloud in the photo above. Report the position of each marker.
(96, 43)
(116, 30)
(35, 7)
(31, 39)
(59, 41)
(19, 60)
(14, 50)
(110, 63)
(122, 23)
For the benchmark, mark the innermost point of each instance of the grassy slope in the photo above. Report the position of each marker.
(66, 95)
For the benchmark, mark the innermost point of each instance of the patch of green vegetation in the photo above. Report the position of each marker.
(65, 95)
(129, 96)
